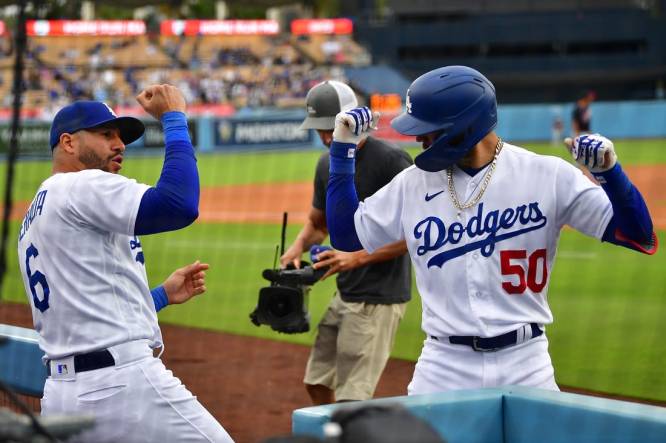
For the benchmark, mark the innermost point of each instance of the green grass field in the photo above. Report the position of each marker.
(609, 303)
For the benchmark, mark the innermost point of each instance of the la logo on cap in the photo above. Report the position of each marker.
(408, 103)
(110, 110)
(311, 110)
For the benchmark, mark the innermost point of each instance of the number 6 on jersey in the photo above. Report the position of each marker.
(36, 278)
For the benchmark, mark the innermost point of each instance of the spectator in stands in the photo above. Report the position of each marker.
(6, 45)
(330, 48)
(581, 118)
(34, 80)
(99, 93)
(121, 44)
(89, 70)
(95, 49)
(195, 61)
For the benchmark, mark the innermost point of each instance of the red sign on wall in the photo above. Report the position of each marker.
(219, 27)
(322, 26)
(85, 27)
(386, 131)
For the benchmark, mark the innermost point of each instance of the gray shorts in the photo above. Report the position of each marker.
(353, 344)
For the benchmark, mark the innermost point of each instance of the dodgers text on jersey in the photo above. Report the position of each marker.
(435, 234)
(35, 210)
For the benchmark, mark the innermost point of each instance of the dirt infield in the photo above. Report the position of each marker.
(256, 203)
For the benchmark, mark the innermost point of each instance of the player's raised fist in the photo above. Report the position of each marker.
(593, 151)
(158, 99)
(353, 125)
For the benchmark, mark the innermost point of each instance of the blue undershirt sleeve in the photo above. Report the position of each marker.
(631, 224)
(341, 198)
(173, 202)
(160, 298)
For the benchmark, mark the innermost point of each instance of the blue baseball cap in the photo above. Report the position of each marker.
(86, 114)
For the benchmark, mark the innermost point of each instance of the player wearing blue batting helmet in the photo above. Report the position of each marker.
(457, 104)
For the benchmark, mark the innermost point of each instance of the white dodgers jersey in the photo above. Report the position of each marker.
(484, 270)
(83, 267)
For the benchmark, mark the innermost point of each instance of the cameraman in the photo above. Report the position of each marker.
(356, 334)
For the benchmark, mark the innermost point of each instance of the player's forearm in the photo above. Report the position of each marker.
(310, 235)
(630, 213)
(384, 253)
(341, 198)
(174, 201)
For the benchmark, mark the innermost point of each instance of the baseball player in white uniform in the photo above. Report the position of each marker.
(482, 219)
(84, 274)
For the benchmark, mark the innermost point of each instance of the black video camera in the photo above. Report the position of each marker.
(284, 304)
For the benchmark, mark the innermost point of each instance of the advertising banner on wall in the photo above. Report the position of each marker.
(259, 133)
(85, 27)
(322, 26)
(154, 135)
(33, 139)
(219, 27)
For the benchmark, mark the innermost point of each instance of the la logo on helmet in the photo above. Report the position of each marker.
(408, 103)
(110, 110)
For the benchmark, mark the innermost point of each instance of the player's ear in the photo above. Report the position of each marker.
(66, 142)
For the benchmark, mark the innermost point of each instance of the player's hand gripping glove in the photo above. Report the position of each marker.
(350, 128)
(593, 151)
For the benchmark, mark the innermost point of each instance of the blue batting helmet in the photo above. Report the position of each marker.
(458, 101)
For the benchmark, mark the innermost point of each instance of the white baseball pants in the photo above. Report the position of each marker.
(138, 400)
(443, 366)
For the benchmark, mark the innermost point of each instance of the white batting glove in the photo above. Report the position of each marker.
(593, 151)
(354, 125)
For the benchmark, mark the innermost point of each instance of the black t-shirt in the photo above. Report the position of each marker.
(377, 162)
(582, 116)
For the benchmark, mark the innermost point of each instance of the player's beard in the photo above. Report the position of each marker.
(91, 160)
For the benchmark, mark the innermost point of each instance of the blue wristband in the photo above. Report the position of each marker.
(174, 124)
(342, 158)
(160, 298)
(615, 182)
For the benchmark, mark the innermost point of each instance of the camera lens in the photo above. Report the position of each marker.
(280, 306)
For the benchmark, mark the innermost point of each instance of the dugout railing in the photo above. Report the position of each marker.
(21, 367)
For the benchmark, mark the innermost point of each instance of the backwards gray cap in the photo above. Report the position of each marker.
(323, 103)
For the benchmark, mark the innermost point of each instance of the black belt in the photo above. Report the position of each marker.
(88, 362)
(489, 344)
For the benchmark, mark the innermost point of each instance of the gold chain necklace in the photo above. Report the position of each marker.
(484, 184)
